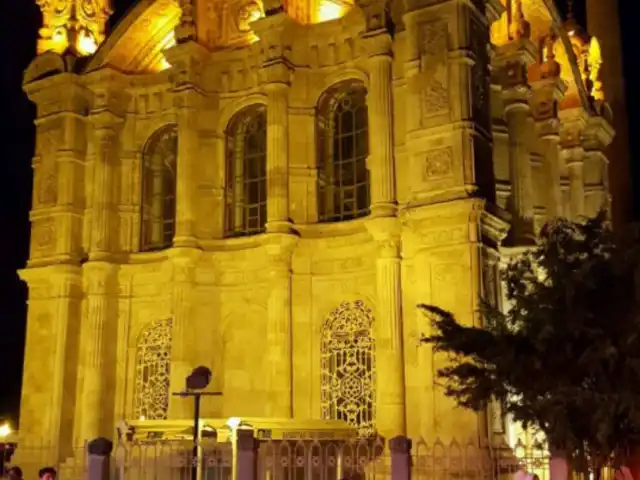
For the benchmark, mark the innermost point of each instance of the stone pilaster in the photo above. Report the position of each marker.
(596, 137)
(380, 106)
(106, 150)
(276, 33)
(513, 60)
(58, 165)
(303, 174)
(183, 334)
(279, 354)
(187, 60)
(278, 150)
(547, 95)
(575, 170)
(98, 279)
(390, 384)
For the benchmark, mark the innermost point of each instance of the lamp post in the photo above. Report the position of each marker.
(197, 381)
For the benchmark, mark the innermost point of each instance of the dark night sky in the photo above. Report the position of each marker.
(18, 33)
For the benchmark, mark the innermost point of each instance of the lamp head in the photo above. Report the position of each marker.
(199, 378)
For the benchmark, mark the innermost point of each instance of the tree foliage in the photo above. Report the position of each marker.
(565, 356)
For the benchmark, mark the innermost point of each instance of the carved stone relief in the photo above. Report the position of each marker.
(480, 74)
(43, 235)
(434, 67)
(438, 164)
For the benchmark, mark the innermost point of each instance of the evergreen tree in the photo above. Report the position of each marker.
(565, 356)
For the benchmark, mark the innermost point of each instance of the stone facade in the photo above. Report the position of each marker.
(151, 252)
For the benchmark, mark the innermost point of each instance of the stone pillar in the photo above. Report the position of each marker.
(280, 250)
(596, 137)
(98, 459)
(390, 385)
(187, 100)
(183, 333)
(547, 95)
(380, 106)
(400, 448)
(94, 333)
(277, 148)
(187, 59)
(247, 455)
(513, 60)
(575, 167)
(106, 149)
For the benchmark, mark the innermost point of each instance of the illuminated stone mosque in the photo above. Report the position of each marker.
(269, 189)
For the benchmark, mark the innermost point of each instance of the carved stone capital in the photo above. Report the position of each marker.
(377, 44)
(516, 98)
(597, 134)
(277, 75)
(280, 247)
(548, 128)
(97, 276)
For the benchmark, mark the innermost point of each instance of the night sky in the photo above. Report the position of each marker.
(18, 34)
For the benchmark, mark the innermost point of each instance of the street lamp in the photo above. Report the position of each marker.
(197, 381)
(5, 430)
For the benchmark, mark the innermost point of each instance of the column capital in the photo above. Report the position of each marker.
(377, 44)
(276, 75)
(597, 134)
(280, 246)
(521, 52)
(97, 276)
(276, 33)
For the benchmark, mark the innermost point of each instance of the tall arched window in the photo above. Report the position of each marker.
(153, 368)
(348, 367)
(159, 167)
(246, 172)
(343, 147)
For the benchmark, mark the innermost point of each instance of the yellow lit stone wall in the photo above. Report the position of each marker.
(457, 158)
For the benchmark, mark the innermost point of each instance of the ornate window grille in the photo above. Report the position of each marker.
(246, 172)
(153, 368)
(158, 207)
(343, 148)
(348, 367)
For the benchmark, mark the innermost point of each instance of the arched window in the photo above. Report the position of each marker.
(343, 147)
(159, 166)
(246, 172)
(153, 368)
(348, 367)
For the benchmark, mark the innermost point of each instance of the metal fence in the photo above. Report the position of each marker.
(317, 460)
(171, 460)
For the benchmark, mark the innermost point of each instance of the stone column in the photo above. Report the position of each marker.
(94, 332)
(277, 148)
(187, 101)
(390, 384)
(380, 106)
(575, 166)
(182, 332)
(596, 137)
(513, 60)
(187, 59)
(547, 95)
(279, 353)
(102, 226)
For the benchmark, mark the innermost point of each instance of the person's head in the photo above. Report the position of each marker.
(47, 473)
(14, 473)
